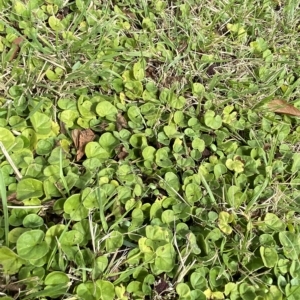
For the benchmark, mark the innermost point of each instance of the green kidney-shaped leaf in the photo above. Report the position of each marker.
(238, 30)
(74, 207)
(198, 281)
(53, 233)
(135, 288)
(22, 158)
(107, 290)
(114, 241)
(67, 104)
(138, 140)
(31, 245)
(106, 110)
(162, 158)
(100, 265)
(235, 197)
(41, 123)
(291, 244)
(192, 242)
(224, 219)
(165, 258)
(44, 146)
(134, 114)
(80, 5)
(33, 221)
(171, 183)
(193, 193)
(69, 117)
(269, 256)
(295, 268)
(20, 8)
(84, 227)
(94, 150)
(183, 290)
(148, 153)
(198, 89)
(108, 141)
(198, 144)
(273, 223)
(15, 233)
(88, 291)
(170, 131)
(177, 102)
(235, 165)
(139, 70)
(247, 291)
(168, 217)
(29, 188)
(89, 198)
(134, 89)
(179, 117)
(72, 237)
(10, 261)
(212, 121)
(84, 122)
(260, 45)
(56, 277)
(199, 295)
(55, 23)
(296, 162)
(216, 278)
(267, 240)
(219, 170)
(148, 24)
(85, 108)
(7, 138)
(158, 233)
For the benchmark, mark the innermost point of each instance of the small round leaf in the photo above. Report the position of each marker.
(74, 207)
(41, 123)
(114, 241)
(107, 290)
(107, 110)
(212, 121)
(6, 137)
(33, 221)
(56, 277)
(29, 188)
(31, 245)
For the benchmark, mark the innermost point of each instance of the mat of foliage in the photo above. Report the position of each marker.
(139, 157)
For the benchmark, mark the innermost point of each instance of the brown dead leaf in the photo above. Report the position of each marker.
(61, 14)
(12, 199)
(16, 47)
(121, 152)
(12, 287)
(75, 137)
(62, 126)
(18, 40)
(121, 122)
(80, 139)
(281, 106)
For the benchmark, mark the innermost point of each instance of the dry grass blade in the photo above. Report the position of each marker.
(281, 106)
(10, 161)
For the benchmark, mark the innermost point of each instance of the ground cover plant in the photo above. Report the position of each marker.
(149, 149)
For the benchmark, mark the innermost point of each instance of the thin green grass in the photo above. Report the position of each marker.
(4, 208)
(101, 204)
(61, 172)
